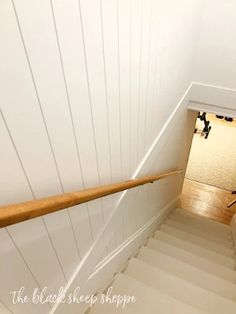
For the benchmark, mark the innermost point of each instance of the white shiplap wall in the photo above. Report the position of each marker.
(86, 85)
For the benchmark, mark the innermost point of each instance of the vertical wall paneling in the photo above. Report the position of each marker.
(125, 213)
(14, 274)
(82, 226)
(111, 62)
(146, 207)
(116, 237)
(93, 41)
(16, 268)
(159, 68)
(149, 72)
(38, 35)
(124, 28)
(143, 75)
(91, 20)
(20, 108)
(135, 75)
(131, 220)
(152, 89)
(139, 208)
(31, 237)
(68, 20)
(108, 10)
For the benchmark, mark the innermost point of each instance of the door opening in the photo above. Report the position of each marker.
(211, 172)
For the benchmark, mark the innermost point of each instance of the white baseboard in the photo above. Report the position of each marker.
(156, 220)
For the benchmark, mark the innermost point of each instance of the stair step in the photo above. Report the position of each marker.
(204, 227)
(204, 222)
(184, 225)
(195, 249)
(196, 240)
(179, 289)
(149, 300)
(192, 259)
(188, 272)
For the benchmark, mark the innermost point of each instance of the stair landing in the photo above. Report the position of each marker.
(207, 201)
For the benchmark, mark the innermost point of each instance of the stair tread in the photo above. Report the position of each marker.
(206, 221)
(192, 228)
(179, 233)
(220, 227)
(188, 272)
(149, 300)
(205, 228)
(198, 250)
(192, 259)
(180, 289)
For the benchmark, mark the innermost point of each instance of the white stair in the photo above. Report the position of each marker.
(187, 267)
(188, 272)
(149, 300)
(192, 259)
(219, 229)
(179, 233)
(193, 229)
(180, 289)
(196, 249)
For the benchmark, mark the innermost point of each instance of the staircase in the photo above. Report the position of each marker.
(187, 267)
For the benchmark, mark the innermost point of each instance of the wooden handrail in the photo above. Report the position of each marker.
(15, 213)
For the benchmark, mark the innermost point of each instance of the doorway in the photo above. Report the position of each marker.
(212, 160)
(211, 171)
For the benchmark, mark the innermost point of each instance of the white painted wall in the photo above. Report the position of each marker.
(216, 57)
(86, 87)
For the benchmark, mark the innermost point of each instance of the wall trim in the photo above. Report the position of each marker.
(160, 134)
(215, 99)
(216, 87)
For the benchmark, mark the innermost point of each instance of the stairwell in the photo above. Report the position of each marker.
(187, 267)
